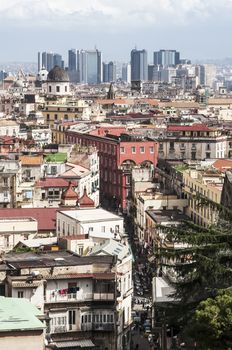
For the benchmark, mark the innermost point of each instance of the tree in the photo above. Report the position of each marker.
(202, 263)
(212, 324)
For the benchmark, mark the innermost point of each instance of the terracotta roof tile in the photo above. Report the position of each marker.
(31, 160)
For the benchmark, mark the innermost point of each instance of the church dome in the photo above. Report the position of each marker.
(58, 74)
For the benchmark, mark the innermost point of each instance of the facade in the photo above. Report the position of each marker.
(90, 66)
(208, 184)
(139, 65)
(154, 201)
(92, 222)
(126, 73)
(77, 294)
(13, 230)
(109, 72)
(195, 142)
(10, 175)
(166, 57)
(117, 155)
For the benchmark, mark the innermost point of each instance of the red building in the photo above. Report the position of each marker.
(118, 154)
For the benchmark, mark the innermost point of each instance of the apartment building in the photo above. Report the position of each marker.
(207, 183)
(118, 154)
(77, 294)
(195, 142)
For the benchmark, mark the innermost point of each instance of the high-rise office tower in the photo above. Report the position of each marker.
(57, 60)
(39, 62)
(44, 60)
(112, 71)
(126, 73)
(90, 63)
(138, 65)
(109, 72)
(49, 60)
(166, 58)
(105, 72)
(72, 60)
(200, 73)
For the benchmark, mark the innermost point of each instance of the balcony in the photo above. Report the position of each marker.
(103, 296)
(78, 297)
(58, 329)
(98, 327)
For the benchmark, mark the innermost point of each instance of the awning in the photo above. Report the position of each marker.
(84, 343)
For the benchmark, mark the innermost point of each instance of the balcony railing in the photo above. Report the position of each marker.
(97, 327)
(72, 297)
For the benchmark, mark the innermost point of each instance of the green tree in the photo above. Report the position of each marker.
(203, 264)
(212, 323)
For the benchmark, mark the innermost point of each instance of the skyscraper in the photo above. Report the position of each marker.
(57, 60)
(90, 66)
(39, 62)
(72, 60)
(166, 58)
(49, 60)
(109, 72)
(126, 73)
(138, 65)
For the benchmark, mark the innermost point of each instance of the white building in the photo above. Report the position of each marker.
(58, 82)
(93, 222)
(9, 128)
(13, 230)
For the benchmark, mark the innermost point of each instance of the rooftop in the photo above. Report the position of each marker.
(19, 315)
(56, 157)
(90, 215)
(46, 217)
(31, 160)
(167, 215)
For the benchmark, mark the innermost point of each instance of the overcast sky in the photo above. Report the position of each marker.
(197, 28)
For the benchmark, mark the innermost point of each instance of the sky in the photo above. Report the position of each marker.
(199, 29)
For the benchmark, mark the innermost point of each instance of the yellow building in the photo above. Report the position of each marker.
(56, 112)
(208, 184)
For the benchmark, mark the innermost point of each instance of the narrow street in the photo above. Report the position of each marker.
(138, 338)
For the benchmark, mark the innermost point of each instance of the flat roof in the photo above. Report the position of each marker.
(19, 315)
(90, 215)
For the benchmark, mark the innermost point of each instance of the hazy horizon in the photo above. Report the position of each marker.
(198, 29)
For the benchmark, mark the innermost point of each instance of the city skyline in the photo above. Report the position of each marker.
(59, 25)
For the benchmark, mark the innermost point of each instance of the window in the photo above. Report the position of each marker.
(48, 116)
(5, 193)
(133, 150)
(55, 117)
(161, 146)
(71, 317)
(57, 89)
(151, 149)
(20, 294)
(128, 180)
(80, 249)
(207, 155)
(66, 88)
(117, 228)
(90, 229)
(49, 88)
(103, 229)
(122, 150)
(5, 181)
(53, 170)
(142, 149)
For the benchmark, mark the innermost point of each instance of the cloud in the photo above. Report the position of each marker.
(124, 13)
